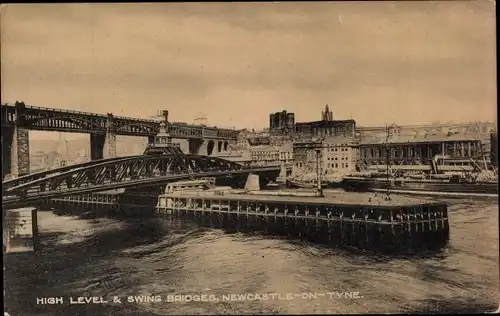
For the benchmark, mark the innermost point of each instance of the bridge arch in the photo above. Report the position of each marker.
(210, 147)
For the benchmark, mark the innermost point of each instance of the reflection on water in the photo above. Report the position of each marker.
(111, 257)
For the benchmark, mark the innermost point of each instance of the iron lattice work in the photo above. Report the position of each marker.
(42, 174)
(47, 119)
(117, 173)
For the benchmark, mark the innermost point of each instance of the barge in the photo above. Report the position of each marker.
(353, 219)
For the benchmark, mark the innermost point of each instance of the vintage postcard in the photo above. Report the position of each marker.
(249, 158)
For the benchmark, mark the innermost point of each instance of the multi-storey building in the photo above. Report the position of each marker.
(38, 160)
(481, 130)
(286, 153)
(242, 140)
(340, 155)
(263, 155)
(458, 149)
(42, 161)
(304, 153)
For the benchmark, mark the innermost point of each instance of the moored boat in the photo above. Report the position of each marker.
(292, 183)
(419, 186)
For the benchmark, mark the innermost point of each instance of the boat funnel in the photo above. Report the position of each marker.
(253, 183)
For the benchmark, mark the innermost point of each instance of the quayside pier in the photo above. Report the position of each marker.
(395, 224)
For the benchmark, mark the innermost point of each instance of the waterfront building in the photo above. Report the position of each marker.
(458, 149)
(481, 130)
(265, 155)
(286, 153)
(304, 154)
(340, 154)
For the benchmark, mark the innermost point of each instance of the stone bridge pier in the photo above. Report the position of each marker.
(15, 145)
(15, 151)
(103, 146)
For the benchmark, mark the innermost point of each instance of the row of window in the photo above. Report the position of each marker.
(329, 165)
(337, 149)
(337, 158)
(336, 165)
(417, 152)
(335, 145)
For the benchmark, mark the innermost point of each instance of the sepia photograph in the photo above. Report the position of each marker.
(249, 158)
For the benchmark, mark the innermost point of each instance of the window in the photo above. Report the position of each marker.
(336, 165)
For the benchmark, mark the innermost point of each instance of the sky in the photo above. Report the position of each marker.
(235, 63)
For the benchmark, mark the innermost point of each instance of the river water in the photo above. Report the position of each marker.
(160, 257)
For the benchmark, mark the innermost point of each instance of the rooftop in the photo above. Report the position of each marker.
(400, 139)
(325, 123)
(339, 139)
(265, 147)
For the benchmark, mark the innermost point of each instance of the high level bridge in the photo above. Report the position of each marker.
(123, 172)
(19, 118)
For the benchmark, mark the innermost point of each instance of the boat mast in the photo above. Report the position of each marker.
(387, 160)
(319, 190)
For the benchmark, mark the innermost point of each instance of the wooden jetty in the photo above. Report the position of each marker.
(384, 224)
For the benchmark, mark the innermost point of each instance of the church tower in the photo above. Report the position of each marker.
(327, 115)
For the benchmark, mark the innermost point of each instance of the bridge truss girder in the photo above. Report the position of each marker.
(118, 173)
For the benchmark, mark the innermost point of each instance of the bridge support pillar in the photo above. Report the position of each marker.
(34, 229)
(6, 232)
(104, 146)
(15, 151)
(197, 147)
(253, 182)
